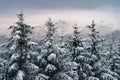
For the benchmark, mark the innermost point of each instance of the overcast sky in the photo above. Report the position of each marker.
(67, 12)
(55, 4)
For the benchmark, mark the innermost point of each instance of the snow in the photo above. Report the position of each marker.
(31, 68)
(34, 54)
(62, 51)
(44, 51)
(62, 76)
(92, 78)
(87, 67)
(106, 76)
(14, 57)
(79, 49)
(39, 58)
(31, 43)
(13, 68)
(51, 57)
(18, 32)
(72, 74)
(13, 47)
(16, 37)
(20, 75)
(50, 68)
(94, 57)
(70, 66)
(41, 77)
(47, 44)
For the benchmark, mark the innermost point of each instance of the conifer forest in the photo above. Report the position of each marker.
(51, 51)
(53, 57)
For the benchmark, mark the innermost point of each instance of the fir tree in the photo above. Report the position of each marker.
(94, 36)
(100, 66)
(113, 55)
(20, 45)
(3, 68)
(47, 55)
(80, 56)
(93, 49)
(76, 41)
(50, 30)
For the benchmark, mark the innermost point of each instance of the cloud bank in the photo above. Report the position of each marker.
(65, 12)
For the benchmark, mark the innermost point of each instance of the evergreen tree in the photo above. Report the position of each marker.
(54, 59)
(47, 56)
(100, 66)
(75, 41)
(71, 58)
(50, 30)
(93, 49)
(94, 36)
(20, 44)
(80, 56)
(113, 56)
(3, 68)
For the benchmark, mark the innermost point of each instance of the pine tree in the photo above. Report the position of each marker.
(76, 41)
(54, 58)
(50, 30)
(94, 38)
(76, 59)
(93, 49)
(47, 56)
(67, 69)
(100, 66)
(20, 44)
(113, 55)
(3, 68)
(80, 56)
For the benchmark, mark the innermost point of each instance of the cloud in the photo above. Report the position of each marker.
(104, 16)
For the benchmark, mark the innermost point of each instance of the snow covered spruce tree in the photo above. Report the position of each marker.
(20, 44)
(67, 67)
(79, 55)
(112, 56)
(75, 42)
(115, 62)
(93, 50)
(51, 28)
(3, 68)
(47, 57)
(52, 59)
(99, 65)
